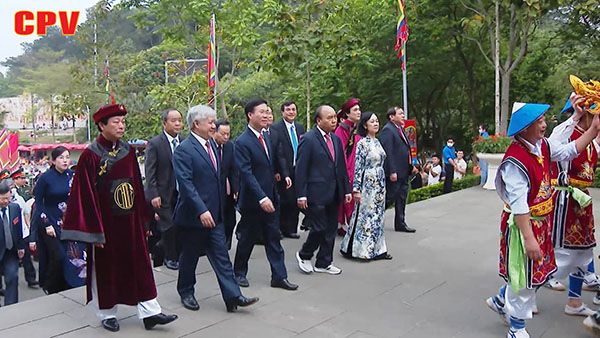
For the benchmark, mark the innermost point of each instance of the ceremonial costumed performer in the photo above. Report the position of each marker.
(107, 209)
(523, 183)
(573, 229)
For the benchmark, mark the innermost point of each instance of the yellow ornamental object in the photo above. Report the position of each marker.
(590, 91)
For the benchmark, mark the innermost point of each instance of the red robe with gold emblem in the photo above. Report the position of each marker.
(537, 170)
(107, 206)
(573, 225)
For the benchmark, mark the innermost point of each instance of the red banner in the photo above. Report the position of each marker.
(410, 129)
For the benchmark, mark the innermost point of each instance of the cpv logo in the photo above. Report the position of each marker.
(28, 22)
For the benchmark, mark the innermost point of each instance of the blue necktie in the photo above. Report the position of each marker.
(294, 141)
(7, 235)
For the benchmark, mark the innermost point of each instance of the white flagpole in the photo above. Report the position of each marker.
(404, 84)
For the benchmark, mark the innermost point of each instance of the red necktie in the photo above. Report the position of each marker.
(211, 155)
(261, 139)
(330, 146)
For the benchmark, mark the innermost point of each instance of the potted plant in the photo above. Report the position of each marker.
(492, 151)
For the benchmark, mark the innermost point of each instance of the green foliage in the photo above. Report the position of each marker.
(494, 144)
(438, 188)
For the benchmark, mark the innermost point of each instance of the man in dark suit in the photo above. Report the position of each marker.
(258, 200)
(321, 186)
(289, 133)
(199, 212)
(12, 245)
(161, 188)
(398, 165)
(225, 151)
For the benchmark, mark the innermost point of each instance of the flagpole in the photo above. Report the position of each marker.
(404, 84)
(216, 63)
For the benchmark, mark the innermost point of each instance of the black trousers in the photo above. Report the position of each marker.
(28, 267)
(449, 177)
(55, 277)
(322, 222)
(398, 194)
(229, 218)
(289, 212)
(170, 244)
(252, 223)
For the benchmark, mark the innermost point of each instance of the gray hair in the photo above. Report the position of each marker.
(199, 113)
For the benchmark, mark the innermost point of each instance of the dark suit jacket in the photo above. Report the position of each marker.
(397, 152)
(318, 178)
(16, 230)
(160, 178)
(227, 158)
(256, 171)
(200, 187)
(284, 145)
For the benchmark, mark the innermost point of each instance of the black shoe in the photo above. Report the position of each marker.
(283, 284)
(111, 324)
(1, 292)
(173, 265)
(159, 319)
(33, 284)
(242, 301)
(242, 281)
(405, 228)
(294, 235)
(190, 303)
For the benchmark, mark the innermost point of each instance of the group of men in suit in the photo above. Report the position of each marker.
(269, 174)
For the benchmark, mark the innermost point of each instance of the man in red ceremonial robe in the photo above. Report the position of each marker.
(523, 184)
(107, 209)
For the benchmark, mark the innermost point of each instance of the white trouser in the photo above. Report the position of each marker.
(570, 261)
(145, 309)
(519, 305)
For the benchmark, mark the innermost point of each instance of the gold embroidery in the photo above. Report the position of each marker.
(103, 168)
(124, 196)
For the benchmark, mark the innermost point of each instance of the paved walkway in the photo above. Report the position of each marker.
(434, 287)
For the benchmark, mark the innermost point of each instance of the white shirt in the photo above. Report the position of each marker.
(288, 127)
(257, 134)
(460, 164)
(170, 139)
(434, 179)
(512, 184)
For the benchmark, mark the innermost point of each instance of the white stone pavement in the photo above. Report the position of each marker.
(434, 287)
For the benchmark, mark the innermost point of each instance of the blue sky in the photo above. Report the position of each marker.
(11, 42)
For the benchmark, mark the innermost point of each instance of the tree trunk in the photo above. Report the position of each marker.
(52, 119)
(496, 49)
(504, 103)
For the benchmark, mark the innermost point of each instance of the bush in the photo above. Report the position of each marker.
(596, 179)
(430, 191)
(493, 145)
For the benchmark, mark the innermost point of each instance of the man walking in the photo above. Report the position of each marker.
(229, 178)
(107, 209)
(161, 188)
(199, 212)
(258, 199)
(289, 132)
(321, 186)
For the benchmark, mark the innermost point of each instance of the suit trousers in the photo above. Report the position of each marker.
(9, 266)
(252, 223)
(322, 222)
(229, 218)
(196, 242)
(289, 212)
(170, 244)
(398, 194)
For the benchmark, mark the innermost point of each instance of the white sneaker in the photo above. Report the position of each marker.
(498, 309)
(331, 269)
(583, 310)
(305, 266)
(592, 323)
(591, 282)
(555, 285)
(520, 333)
(596, 299)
